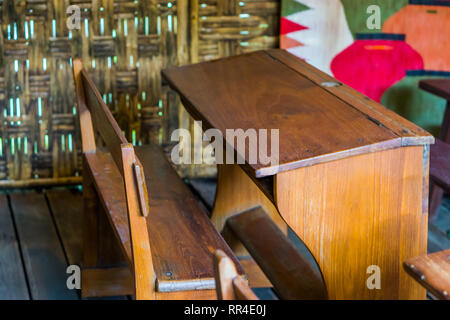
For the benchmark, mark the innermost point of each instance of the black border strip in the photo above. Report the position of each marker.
(431, 73)
(442, 3)
(380, 36)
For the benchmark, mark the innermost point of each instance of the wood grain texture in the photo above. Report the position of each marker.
(432, 271)
(406, 130)
(185, 258)
(103, 120)
(43, 255)
(13, 285)
(176, 212)
(229, 285)
(84, 116)
(292, 275)
(224, 273)
(316, 125)
(142, 261)
(237, 192)
(107, 282)
(256, 278)
(357, 212)
(182, 264)
(242, 290)
(38, 183)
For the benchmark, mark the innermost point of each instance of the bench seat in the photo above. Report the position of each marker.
(182, 237)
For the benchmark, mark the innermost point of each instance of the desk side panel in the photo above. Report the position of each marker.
(358, 212)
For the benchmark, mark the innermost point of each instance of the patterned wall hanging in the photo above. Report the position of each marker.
(333, 35)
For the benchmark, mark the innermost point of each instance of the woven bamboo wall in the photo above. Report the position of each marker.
(124, 45)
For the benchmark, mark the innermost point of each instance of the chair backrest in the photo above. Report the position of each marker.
(95, 116)
(230, 285)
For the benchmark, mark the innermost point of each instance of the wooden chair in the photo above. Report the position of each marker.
(432, 272)
(166, 238)
(440, 88)
(292, 275)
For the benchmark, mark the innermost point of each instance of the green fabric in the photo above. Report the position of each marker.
(423, 108)
(289, 7)
(356, 13)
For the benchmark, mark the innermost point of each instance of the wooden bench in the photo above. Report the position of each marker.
(432, 272)
(166, 240)
(440, 88)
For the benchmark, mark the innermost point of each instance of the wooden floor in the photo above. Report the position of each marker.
(40, 235)
(39, 238)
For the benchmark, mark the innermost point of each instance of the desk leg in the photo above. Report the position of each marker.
(358, 212)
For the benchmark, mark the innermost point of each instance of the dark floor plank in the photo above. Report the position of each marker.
(13, 285)
(67, 208)
(43, 255)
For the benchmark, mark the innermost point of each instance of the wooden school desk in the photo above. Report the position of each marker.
(352, 178)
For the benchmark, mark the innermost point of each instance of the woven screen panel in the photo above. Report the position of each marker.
(225, 28)
(123, 45)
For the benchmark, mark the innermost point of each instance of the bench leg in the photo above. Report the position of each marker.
(106, 282)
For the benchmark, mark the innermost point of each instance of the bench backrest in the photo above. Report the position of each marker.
(94, 117)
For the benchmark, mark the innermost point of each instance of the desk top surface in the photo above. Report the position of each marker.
(273, 89)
